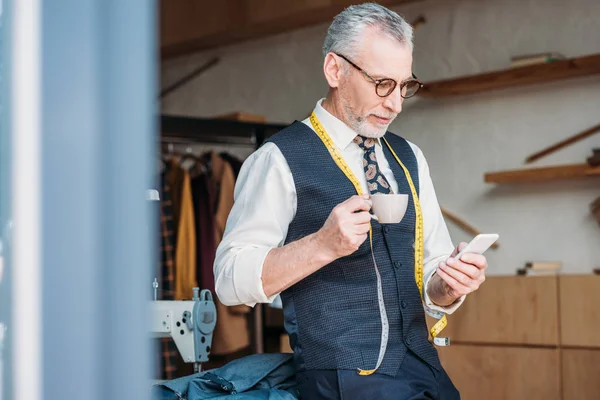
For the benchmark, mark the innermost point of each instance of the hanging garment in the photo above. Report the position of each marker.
(174, 175)
(231, 332)
(235, 163)
(169, 353)
(185, 250)
(202, 199)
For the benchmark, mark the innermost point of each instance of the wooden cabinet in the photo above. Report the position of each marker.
(499, 373)
(527, 338)
(581, 374)
(521, 338)
(580, 311)
(508, 310)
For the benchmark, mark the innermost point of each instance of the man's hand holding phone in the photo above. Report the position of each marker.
(464, 271)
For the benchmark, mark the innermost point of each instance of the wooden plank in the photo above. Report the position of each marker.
(499, 373)
(580, 372)
(191, 25)
(542, 174)
(183, 20)
(243, 117)
(507, 310)
(564, 143)
(580, 310)
(464, 224)
(514, 77)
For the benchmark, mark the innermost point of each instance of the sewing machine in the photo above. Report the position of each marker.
(189, 322)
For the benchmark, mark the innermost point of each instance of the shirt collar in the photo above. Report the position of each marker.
(341, 134)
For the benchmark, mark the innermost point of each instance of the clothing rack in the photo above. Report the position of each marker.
(211, 130)
(180, 129)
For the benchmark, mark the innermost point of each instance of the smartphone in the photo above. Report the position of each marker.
(479, 244)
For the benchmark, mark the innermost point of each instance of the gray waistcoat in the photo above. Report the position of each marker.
(332, 316)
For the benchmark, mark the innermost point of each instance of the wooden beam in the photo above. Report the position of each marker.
(514, 77)
(562, 144)
(464, 225)
(542, 174)
(192, 25)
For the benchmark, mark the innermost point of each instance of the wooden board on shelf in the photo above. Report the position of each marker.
(507, 310)
(580, 371)
(498, 373)
(542, 174)
(514, 77)
(244, 117)
(580, 310)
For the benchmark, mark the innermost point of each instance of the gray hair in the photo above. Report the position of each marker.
(347, 27)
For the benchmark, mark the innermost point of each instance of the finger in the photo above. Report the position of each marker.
(470, 270)
(361, 217)
(458, 248)
(464, 279)
(356, 197)
(363, 228)
(357, 203)
(477, 260)
(363, 237)
(456, 286)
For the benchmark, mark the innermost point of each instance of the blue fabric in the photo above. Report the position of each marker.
(376, 181)
(332, 316)
(259, 376)
(416, 380)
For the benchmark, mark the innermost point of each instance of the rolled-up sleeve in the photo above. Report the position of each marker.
(437, 241)
(264, 205)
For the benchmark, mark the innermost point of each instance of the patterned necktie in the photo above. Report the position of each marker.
(376, 182)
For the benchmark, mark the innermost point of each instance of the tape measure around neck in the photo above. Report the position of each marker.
(341, 163)
(420, 255)
(419, 242)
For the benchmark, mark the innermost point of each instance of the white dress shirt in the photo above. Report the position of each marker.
(265, 205)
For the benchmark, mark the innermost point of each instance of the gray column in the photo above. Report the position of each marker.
(5, 184)
(98, 91)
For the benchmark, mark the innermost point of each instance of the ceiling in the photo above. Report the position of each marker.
(188, 26)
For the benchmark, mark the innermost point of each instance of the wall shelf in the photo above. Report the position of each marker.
(532, 74)
(543, 174)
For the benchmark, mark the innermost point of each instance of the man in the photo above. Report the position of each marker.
(299, 228)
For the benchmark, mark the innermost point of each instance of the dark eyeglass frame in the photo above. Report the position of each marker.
(378, 82)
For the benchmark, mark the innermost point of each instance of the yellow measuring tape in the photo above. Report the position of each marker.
(419, 237)
(420, 253)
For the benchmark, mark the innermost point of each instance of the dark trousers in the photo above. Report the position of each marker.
(416, 380)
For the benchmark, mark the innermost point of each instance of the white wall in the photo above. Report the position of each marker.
(281, 77)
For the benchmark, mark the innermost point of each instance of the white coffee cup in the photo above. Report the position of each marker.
(389, 208)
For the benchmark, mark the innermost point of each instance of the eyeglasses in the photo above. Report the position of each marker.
(384, 87)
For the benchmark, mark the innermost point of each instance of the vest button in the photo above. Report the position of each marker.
(386, 229)
(397, 264)
(408, 341)
(403, 304)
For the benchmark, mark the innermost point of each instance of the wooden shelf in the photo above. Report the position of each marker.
(532, 74)
(542, 174)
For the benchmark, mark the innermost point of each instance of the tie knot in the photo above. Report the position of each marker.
(365, 143)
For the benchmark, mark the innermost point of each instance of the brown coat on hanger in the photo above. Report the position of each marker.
(231, 332)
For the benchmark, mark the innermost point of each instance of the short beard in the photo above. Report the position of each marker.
(359, 123)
